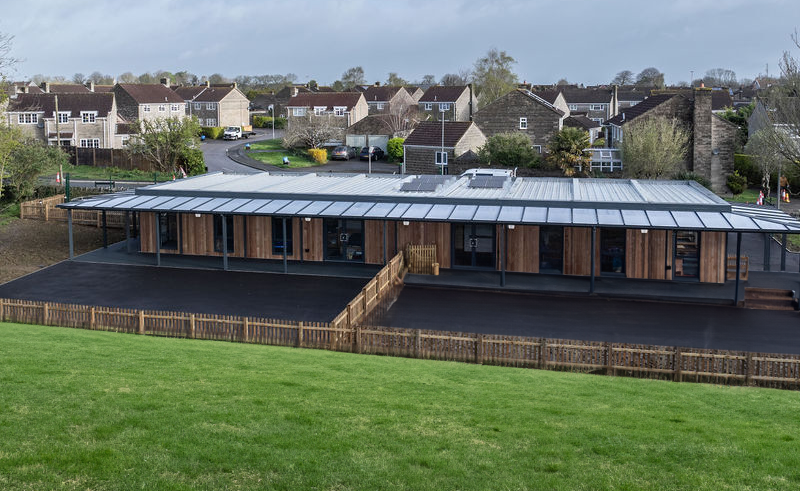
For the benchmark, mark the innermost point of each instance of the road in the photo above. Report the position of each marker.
(216, 153)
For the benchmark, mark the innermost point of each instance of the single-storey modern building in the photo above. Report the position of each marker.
(657, 230)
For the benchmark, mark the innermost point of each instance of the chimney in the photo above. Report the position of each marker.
(377, 84)
(470, 101)
(45, 86)
(165, 81)
(208, 83)
(614, 101)
(90, 85)
(234, 85)
(294, 91)
(701, 132)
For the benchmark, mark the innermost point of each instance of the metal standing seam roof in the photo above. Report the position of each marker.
(556, 201)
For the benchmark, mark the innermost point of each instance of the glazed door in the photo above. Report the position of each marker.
(474, 246)
(687, 255)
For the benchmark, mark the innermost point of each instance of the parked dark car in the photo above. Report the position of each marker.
(377, 153)
(343, 153)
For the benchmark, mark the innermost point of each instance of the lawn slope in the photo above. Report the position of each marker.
(94, 410)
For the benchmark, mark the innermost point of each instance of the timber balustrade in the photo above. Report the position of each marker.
(351, 331)
(45, 209)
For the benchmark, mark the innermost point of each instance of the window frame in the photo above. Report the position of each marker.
(175, 108)
(89, 143)
(523, 123)
(146, 108)
(277, 236)
(444, 106)
(339, 110)
(319, 110)
(428, 106)
(63, 117)
(28, 118)
(211, 122)
(198, 106)
(217, 231)
(298, 111)
(211, 106)
(88, 117)
(162, 108)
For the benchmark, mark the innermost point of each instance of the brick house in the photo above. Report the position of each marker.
(456, 103)
(711, 138)
(86, 120)
(522, 111)
(216, 105)
(433, 145)
(148, 101)
(385, 99)
(342, 109)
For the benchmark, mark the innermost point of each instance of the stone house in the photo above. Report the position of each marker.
(86, 120)
(416, 93)
(216, 105)
(711, 138)
(386, 99)
(433, 146)
(454, 103)
(583, 123)
(522, 111)
(147, 101)
(341, 109)
(597, 104)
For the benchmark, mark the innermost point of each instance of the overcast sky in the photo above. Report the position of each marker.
(584, 41)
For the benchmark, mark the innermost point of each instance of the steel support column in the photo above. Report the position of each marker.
(69, 227)
(503, 256)
(738, 269)
(591, 262)
(224, 243)
(158, 237)
(783, 252)
(285, 259)
(128, 232)
(767, 252)
(105, 230)
(384, 242)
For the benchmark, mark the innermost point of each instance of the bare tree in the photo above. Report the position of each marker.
(352, 77)
(6, 61)
(625, 77)
(311, 132)
(763, 146)
(400, 120)
(428, 80)
(78, 78)
(720, 77)
(494, 76)
(653, 147)
(463, 77)
(393, 79)
(127, 78)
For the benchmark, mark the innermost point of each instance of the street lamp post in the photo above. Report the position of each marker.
(441, 155)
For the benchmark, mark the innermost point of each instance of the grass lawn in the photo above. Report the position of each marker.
(8, 212)
(267, 145)
(93, 410)
(748, 196)
(276, 158)
(112, 173)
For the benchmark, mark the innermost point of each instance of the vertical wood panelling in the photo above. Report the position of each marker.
(577, 244)
(313, 240)
(420, 233)
(712, 257)
(522, 245)
(147, 231)
(373, 241)
(646, 255)
(258, 240)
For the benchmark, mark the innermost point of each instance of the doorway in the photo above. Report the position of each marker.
(687, 255)
(551, 249)
(474, 246)
(344, 240)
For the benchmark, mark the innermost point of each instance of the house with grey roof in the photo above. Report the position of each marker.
(148, 101)
(434, 147)
(448, 102)
(216, 105)
(522, 111)
(387, 99)
(85, 120)
(339, 109)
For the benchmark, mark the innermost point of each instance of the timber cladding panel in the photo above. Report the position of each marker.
(373, 245)
(522, 246)
(313, 240)
(647, 255)
(577, 244)
(421, 233)
(259, 238)
(713, 247)
(147, 235)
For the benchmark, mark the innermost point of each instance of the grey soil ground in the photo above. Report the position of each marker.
(597, 319)
(278, 296)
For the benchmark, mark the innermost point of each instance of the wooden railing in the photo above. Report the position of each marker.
(45, 209)
(634, 360)
(744, 268)
(420, 258)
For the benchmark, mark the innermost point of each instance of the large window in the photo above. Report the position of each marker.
(88, 117)
(175, 108)
(687, 255)
(168, 230)
(211, 106)
(90, 142)
(218, 239)
(28, 118)
(551, 249)
(444, 106)
(277, 237)
(339, 110)
(63, 117)
(441, 162)
(612, 251)
(344, 240)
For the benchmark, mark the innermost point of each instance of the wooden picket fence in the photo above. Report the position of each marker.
(385, 284)
(420, 258)
(45, 209)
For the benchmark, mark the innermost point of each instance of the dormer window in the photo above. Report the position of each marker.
(319, 110)
(28, 118)
(339, 110)
(88, 116)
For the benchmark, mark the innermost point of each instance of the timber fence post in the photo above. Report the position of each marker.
(246, 329)
(299, 334)
(192, 324)
(609, 360)
(92, 312)
(417, 343)
(478, 349)
(542, 353)
(45, 313)
(677, 364)
(358, 340)
(141, 322)
(748, 379)
(2, 310)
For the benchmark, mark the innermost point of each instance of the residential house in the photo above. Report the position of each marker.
(275, 102)
(147, 102)
(340, 109)
(712, 139)
(434, 147)
(451, 102)
(522, 111)
(594, 128)
(49, 88)
(416, 93)
(386, 99)
(630, 95)
(377, 129)
(597, 104)
(216, 105)
(86, 120)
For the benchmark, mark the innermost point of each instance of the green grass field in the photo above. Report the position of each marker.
(112, 173)
(92, 410)
(276, 158)
(267, 145)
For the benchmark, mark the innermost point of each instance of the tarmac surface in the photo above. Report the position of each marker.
(596, 319)
(277, 296)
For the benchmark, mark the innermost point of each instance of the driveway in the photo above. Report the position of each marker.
(291, 297)
(216, 152)
(596, 319)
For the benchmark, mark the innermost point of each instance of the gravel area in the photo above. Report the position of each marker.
(30, 245)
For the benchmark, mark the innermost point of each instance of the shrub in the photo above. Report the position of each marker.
(193, 162)
(691, 176)
(746, 166)
(212, 132)
(737, 183)
(394, 149)
(266, 122)
(320, 155)
(599, 143)
(510, 150)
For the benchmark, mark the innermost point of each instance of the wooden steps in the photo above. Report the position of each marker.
(769, 299)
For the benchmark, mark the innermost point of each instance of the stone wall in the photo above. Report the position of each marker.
(503, 116)
(422, 160)
(702, 132)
